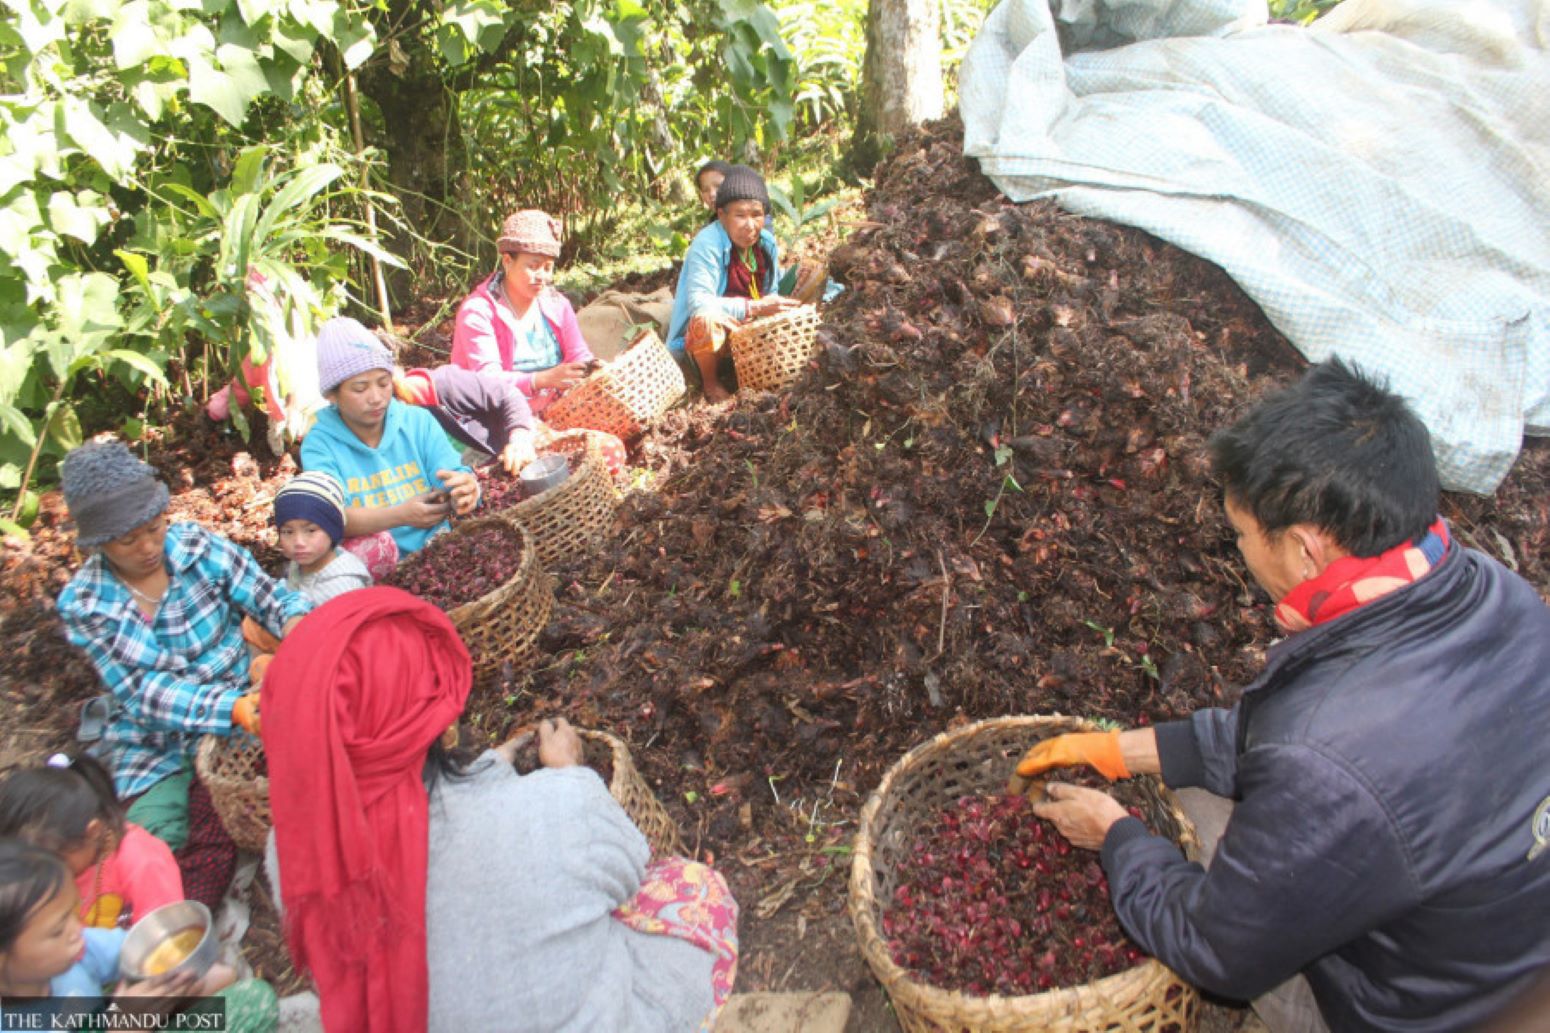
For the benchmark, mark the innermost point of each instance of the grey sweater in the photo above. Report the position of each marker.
(344, 573)
(523, 873)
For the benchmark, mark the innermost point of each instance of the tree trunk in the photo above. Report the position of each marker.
(902, 76)
(424, 150)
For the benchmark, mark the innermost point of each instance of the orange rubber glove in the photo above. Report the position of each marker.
(244, 713)
(1098, 750)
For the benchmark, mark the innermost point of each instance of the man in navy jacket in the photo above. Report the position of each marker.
(1389, 769)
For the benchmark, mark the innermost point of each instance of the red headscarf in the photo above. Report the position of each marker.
(353, 700)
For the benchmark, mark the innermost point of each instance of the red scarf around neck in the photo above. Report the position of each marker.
(1354, 581)
(354, 698)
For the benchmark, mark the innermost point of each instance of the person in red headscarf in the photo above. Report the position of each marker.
(426, 893)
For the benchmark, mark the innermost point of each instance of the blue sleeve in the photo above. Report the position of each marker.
(98, 967)
(317, 456)
(252, 591)
(702, 281)
(1309, 862)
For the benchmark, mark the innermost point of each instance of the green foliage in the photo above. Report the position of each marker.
(588, 100)
(133, 210)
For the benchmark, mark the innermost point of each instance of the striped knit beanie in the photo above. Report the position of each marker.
(313, 496)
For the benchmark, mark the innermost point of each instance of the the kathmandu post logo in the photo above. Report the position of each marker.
(1541, 829)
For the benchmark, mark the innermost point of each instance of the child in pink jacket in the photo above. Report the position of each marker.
(515, 325)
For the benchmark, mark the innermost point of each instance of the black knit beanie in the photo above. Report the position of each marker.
(742, 184)
(109, 492)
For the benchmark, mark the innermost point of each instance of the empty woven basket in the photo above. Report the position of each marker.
(772, 353)
(624, 395)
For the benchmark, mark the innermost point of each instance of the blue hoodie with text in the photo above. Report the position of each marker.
(403, 465)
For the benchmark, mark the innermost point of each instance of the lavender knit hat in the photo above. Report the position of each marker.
(109, 492)
(347, 349)
(530, 232)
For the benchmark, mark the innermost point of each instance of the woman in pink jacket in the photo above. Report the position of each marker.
(515, 324)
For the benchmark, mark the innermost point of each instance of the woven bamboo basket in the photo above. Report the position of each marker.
(772, 353)
(545, 436)
(501, 628)
(624, 395)
(978, 759)
(639, 802)
(567, 519)
(232, 768)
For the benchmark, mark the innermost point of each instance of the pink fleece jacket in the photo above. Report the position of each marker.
(484, 335)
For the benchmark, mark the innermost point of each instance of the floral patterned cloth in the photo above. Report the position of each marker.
(378, 551)
(691, 902)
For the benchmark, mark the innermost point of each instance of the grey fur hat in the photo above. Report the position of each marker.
(109, 491)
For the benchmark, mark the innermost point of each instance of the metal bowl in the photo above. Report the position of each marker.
(545, 472)
(160, 926)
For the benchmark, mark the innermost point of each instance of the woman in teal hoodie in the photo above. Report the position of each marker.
(401, 474)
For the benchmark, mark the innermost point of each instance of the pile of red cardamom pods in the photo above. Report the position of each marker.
(461, 566)
(991, 899)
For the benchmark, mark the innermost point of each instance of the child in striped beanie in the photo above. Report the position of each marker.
(309, 518)
(309, 514)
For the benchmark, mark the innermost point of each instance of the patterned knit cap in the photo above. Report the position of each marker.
(109, 492)
(313, 496)
(347, 349)
(530, 232)
(742, 184)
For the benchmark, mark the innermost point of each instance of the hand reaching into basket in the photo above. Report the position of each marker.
(519, 451)
(1098, 750)
(1084, 816)
(558, 744)
(758, 308)
(560, 378)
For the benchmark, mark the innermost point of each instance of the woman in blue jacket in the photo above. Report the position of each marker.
(401, 474)
(731, 274)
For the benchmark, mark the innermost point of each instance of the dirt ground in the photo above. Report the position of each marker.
(989, 496)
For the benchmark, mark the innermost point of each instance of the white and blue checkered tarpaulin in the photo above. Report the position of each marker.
(1378, 182)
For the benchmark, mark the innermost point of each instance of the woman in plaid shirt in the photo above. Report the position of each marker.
(158, 607)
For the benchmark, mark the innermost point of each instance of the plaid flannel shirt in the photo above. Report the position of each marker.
(176, 676)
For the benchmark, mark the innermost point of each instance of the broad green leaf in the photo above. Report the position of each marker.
(299, 189)
(214, 88)
(38, 25)
(200, 201)
(87, 309)
(65, 427)
(139, 267)
(113, 146)
(295, 41)
(78, 215)
(365, 245)
(354, 36)
(253, 10)
(20, 219)
(135, 39)
(139, 362)
(11, 530)
(248, 167)
(238, 237)
(14, 421)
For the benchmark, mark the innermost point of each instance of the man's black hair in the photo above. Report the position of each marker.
(1337, 450)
